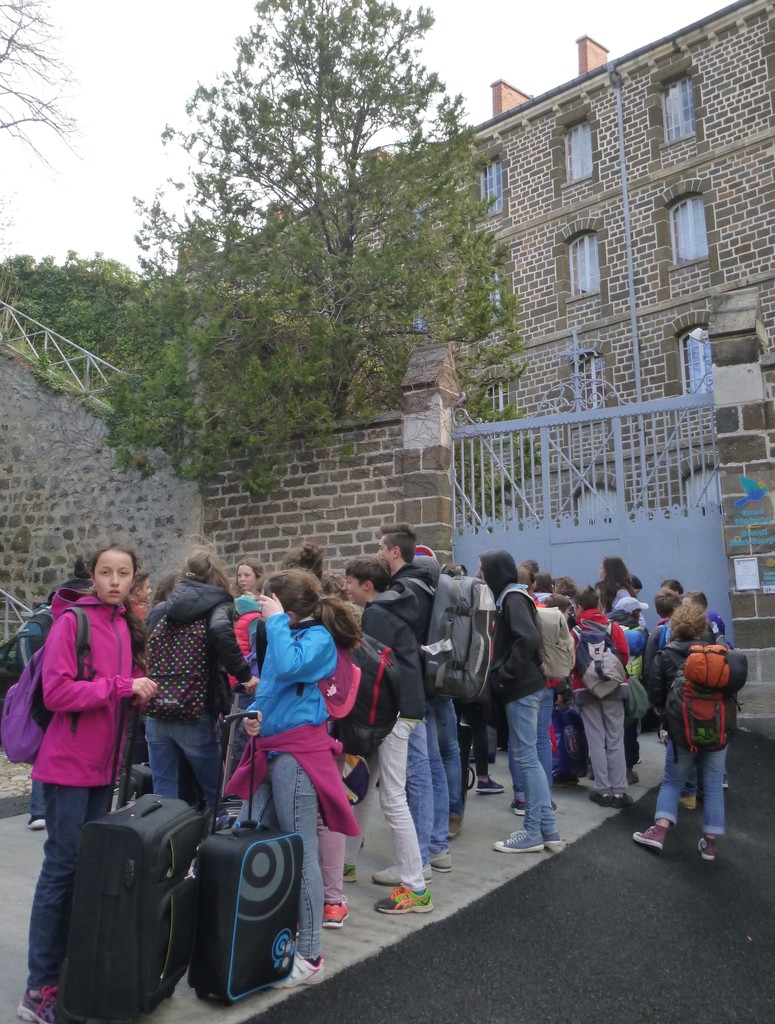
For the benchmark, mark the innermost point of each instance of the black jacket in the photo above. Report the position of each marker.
(390, 619)
(194, 600)
(515, 670)
(419, 580)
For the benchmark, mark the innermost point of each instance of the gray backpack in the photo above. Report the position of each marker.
(457, 651)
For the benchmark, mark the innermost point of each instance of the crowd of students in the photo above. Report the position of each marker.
(275, 635)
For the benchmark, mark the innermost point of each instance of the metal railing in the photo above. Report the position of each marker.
(598, 465)
(76, 367)
(12, 613)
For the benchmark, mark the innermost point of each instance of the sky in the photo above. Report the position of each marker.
(136, 64)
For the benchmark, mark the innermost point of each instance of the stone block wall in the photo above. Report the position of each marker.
(60, 495)
(393, 468)
(744, 393)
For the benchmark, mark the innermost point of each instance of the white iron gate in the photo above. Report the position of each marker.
(638, 481)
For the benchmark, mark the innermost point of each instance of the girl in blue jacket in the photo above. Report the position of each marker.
(294, 758)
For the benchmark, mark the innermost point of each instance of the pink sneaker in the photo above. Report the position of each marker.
(707, 847)
(654, 836)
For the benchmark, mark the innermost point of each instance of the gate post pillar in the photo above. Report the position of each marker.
(430, 391)
(743, 390)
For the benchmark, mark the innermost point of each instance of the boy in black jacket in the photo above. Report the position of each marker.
(517, 683)
(388, 616)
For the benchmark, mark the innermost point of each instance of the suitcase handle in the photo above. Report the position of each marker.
(154, 805)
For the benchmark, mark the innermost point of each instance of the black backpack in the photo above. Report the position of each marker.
(376, 707)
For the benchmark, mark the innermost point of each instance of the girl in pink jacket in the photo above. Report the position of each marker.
(76, 757)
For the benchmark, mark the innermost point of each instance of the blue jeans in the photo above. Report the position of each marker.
(678, 766)
(198, 742)
(419, 789)
(37, 800)
(440, 789)
(522, 716)
(446, 730)
(288, 799)
(543, 743)
(68, 808)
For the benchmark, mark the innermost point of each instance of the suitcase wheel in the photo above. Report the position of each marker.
(201, 993)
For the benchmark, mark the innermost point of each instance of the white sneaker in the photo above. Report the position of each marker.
(303, 972)
(36, 824)
(390, 876)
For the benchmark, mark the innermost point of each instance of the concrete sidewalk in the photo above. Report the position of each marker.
(477, 869)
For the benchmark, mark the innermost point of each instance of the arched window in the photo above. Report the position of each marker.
(687, 230)
(595, 507)
(696, 363)
(584, 265)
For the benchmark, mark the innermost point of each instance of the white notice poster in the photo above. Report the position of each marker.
(746, 573)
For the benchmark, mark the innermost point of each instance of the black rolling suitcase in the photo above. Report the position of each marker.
(249, 888)
(134, 910)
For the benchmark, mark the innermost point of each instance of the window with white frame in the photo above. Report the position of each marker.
(687, 230)
(495, 297)
(592, 380)
(697, 362)
(492, 185)
(584, 265)
(679, 109)
(595, 505)
(578, 151)
(498, 396)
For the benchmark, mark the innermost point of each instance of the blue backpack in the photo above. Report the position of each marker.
(569, 761)
(25, 715)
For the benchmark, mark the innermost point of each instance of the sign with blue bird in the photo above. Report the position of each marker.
(754, 491)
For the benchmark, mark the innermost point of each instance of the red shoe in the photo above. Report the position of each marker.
(654, 836)
(334, 915)
(707, 847)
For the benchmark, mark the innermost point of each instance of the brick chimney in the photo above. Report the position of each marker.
(505, 96)
(591, 54)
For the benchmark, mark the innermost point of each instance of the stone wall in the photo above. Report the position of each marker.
(744, 389)
(395, 467)
(60, 495)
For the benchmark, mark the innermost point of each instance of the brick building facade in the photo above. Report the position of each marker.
(632, 196)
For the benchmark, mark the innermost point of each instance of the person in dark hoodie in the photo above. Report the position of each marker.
(191, 644)
(517, 684)
(389, 617)
(427, 774)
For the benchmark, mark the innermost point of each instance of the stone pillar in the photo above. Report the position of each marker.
(744, 387)
(430, 389)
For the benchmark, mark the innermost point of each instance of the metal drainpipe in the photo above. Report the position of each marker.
(616, 81)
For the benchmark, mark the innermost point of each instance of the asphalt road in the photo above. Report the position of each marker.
(606, 932)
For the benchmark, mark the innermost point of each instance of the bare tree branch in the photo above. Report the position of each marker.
(32, 73)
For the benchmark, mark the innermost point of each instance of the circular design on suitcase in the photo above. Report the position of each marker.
(266, 879)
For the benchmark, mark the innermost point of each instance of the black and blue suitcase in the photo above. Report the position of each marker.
(249, 888)
(134, 910)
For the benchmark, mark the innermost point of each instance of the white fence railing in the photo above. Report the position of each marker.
(77, 367)
(12, 613)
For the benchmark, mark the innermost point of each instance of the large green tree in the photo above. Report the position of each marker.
(329, 229)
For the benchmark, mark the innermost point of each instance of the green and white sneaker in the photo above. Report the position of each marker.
(405, 901)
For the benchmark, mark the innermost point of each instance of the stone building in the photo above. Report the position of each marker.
(633, 196)
(636, 202)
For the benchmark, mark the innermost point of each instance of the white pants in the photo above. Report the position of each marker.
(391, 768)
